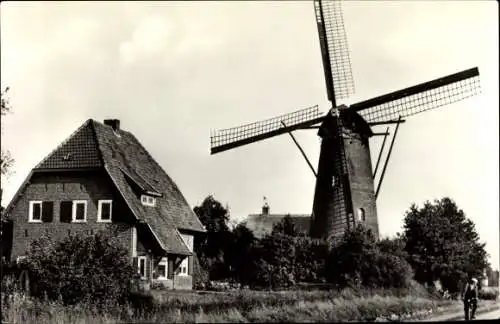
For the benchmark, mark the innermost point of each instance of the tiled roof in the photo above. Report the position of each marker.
(125, 159)
(78, 151)
(261, 224)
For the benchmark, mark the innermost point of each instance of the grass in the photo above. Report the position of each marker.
(237, 306)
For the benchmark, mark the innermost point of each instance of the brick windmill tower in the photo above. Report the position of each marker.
(345, 191)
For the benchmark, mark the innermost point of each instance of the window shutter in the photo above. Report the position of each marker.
(170, 273)
(47, 211)
(65, 211)
(190, 265)
(135, 263)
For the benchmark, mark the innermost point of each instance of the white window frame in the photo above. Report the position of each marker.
(142, 257)
(134, 242)
(164, 262)
(189, 241)
(184, 265)
(99, 211)
(73, 211)
(30, 214)
(147, 200)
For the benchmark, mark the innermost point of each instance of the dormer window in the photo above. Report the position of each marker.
(148, 200)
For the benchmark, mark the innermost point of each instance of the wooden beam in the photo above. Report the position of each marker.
(387, 122)
(387, 160)
(301, 150)
(380, 153)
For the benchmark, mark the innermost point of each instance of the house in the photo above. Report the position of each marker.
(102, 178)
(262, 224)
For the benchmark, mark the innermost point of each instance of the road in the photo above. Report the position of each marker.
(490, 315)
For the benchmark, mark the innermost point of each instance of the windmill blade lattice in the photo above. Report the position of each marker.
(226, 139)
(334, 49)
(422, 97)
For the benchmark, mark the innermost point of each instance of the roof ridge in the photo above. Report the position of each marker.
(87, 122)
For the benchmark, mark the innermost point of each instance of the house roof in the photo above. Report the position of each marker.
(130, 166)
(262, 224)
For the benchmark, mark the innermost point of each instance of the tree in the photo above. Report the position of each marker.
(239, 254)
(6, 159)
(78, 269)
(358, 260)
(285, 227)
(274, 259)
(442, 244)
(211, 249)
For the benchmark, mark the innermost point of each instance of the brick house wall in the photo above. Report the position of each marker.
(66, 186)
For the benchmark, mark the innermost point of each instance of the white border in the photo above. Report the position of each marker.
(30, 214)
(99, 211)
(73, 211)
(145, 200)
(142, 257)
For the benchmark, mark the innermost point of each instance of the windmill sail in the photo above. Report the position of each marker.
(422, 97)
(334, 50)
(226, 139)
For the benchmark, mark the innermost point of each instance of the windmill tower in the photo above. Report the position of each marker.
(345, 192)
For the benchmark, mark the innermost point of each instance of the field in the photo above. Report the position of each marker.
(239, 306)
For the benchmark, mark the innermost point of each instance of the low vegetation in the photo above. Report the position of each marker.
(237, 306)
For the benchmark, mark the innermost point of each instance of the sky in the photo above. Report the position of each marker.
(174, 71)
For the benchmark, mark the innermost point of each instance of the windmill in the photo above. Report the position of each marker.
(345, 192)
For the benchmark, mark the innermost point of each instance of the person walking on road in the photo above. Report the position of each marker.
(469, 298)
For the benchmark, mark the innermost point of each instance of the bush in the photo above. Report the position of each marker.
(488, 293)
(310, 259)
(274, 262)
(92, 269)
(357, 260)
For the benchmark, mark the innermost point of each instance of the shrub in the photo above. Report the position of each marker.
(310, 259)
(357, 260)
(488, 293)
(78, 269)
(274, 262)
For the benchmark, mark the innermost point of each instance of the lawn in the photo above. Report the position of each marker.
(239, 306)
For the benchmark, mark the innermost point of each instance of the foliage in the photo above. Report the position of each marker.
(80, 269)
(310, 258)
(6, 160)
(275, 262)
(231, 307)
(357, 260)
(488, 293)
(211, 249)
(285, 227)
(442, 244)
(240, 253)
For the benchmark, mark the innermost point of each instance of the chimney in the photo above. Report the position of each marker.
(114, 123)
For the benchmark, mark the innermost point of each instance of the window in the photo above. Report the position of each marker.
(79, 212)
(183, 268)
(162, 269)
(148, 200)
(104, 211)
(35, 212)
(142, 266)
(361, 215)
